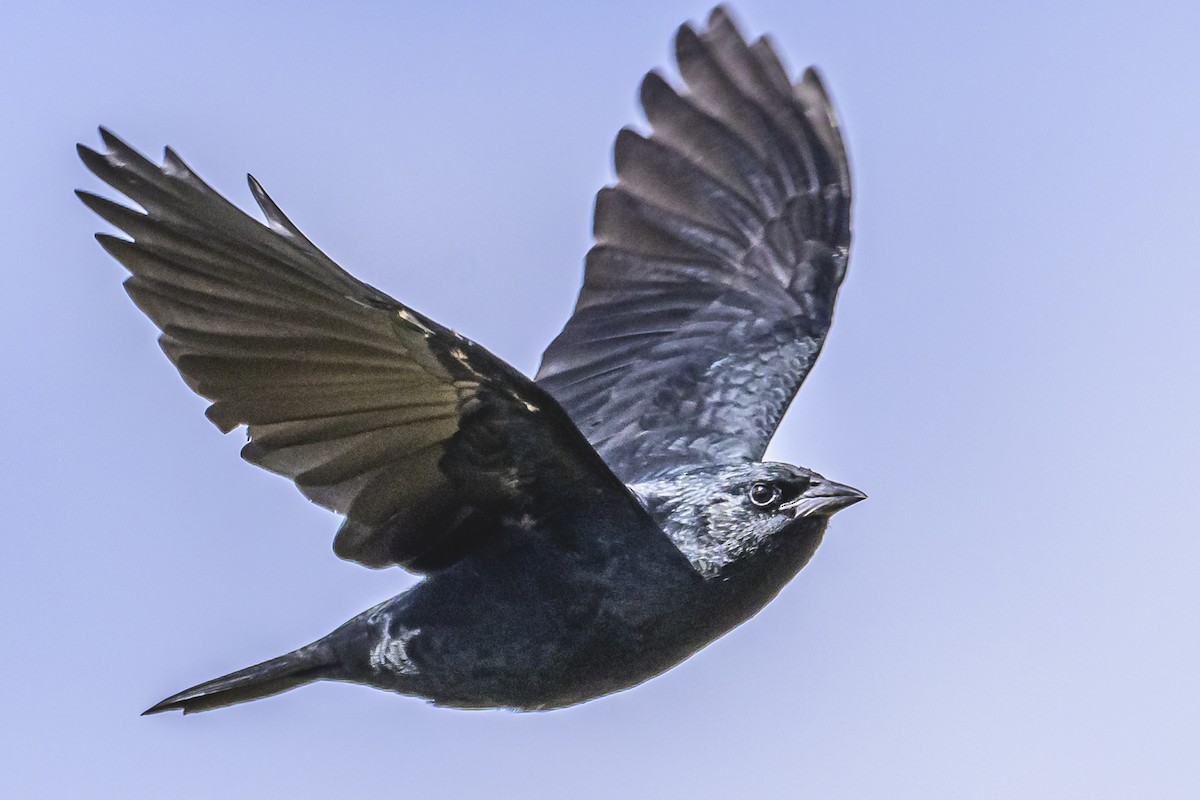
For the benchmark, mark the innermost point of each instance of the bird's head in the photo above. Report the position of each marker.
(720, 516)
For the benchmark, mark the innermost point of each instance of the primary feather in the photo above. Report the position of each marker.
(718, 257)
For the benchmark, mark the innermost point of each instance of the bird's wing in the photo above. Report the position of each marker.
(718, 256)
(424, 440)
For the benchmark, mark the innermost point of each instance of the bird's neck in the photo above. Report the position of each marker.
(744, 585)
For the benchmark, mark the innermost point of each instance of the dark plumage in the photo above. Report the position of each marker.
(580, 532)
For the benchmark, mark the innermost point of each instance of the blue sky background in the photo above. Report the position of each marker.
(1012, 377)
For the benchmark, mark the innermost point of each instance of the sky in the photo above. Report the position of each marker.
(1012, 377)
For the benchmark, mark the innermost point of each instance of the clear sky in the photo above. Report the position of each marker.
(1012, 376)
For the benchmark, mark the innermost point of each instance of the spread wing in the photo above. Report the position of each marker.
(424, 440)
(718, 256)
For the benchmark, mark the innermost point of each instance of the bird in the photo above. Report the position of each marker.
(577, 533)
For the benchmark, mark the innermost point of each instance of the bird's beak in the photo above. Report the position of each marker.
(823, 498)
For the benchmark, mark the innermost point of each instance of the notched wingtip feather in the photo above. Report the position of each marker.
(173, 164)
(85, 152)
(276, 219)
(653, 82)
(771, 62)
(813, 80)
(89, 199)
(123, 152)
(722, 18)
(687, 41)
(108, 210)
(171, 703)
(722, 15)
(95, 161)
(156, 709)
(655, 88)
(627, 139)
(115, 246)
(268, 206)
(110, 139)
(256, 187)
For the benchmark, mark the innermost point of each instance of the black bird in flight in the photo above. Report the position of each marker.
(580, 532)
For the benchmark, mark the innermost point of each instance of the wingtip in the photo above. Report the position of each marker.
(93, 201)
(812, 77)
(624, 147)
(721, 17)
(92, 159)
(721, 14)
(686, 38)
(115, 246)
(111, 140)
(158, 708)
(176, 702)
(652, 87)
(265, 203)
(174, 165)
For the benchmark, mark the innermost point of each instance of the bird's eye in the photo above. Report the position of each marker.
(764, 494)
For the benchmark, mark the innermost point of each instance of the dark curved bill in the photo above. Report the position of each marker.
(824, 498)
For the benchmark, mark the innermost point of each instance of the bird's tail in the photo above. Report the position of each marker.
(297, 668)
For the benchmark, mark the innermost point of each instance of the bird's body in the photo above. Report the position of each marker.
(578, 533)
(598, 630)
(608, 606)
(594, 608)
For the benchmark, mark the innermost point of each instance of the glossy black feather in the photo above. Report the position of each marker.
(718, 257)
(706, 299)
(420, 437)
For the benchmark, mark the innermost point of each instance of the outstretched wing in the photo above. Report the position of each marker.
(424, 440)
(718, 256)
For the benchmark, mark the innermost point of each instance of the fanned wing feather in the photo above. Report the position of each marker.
(718, 257)
(420, 437)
